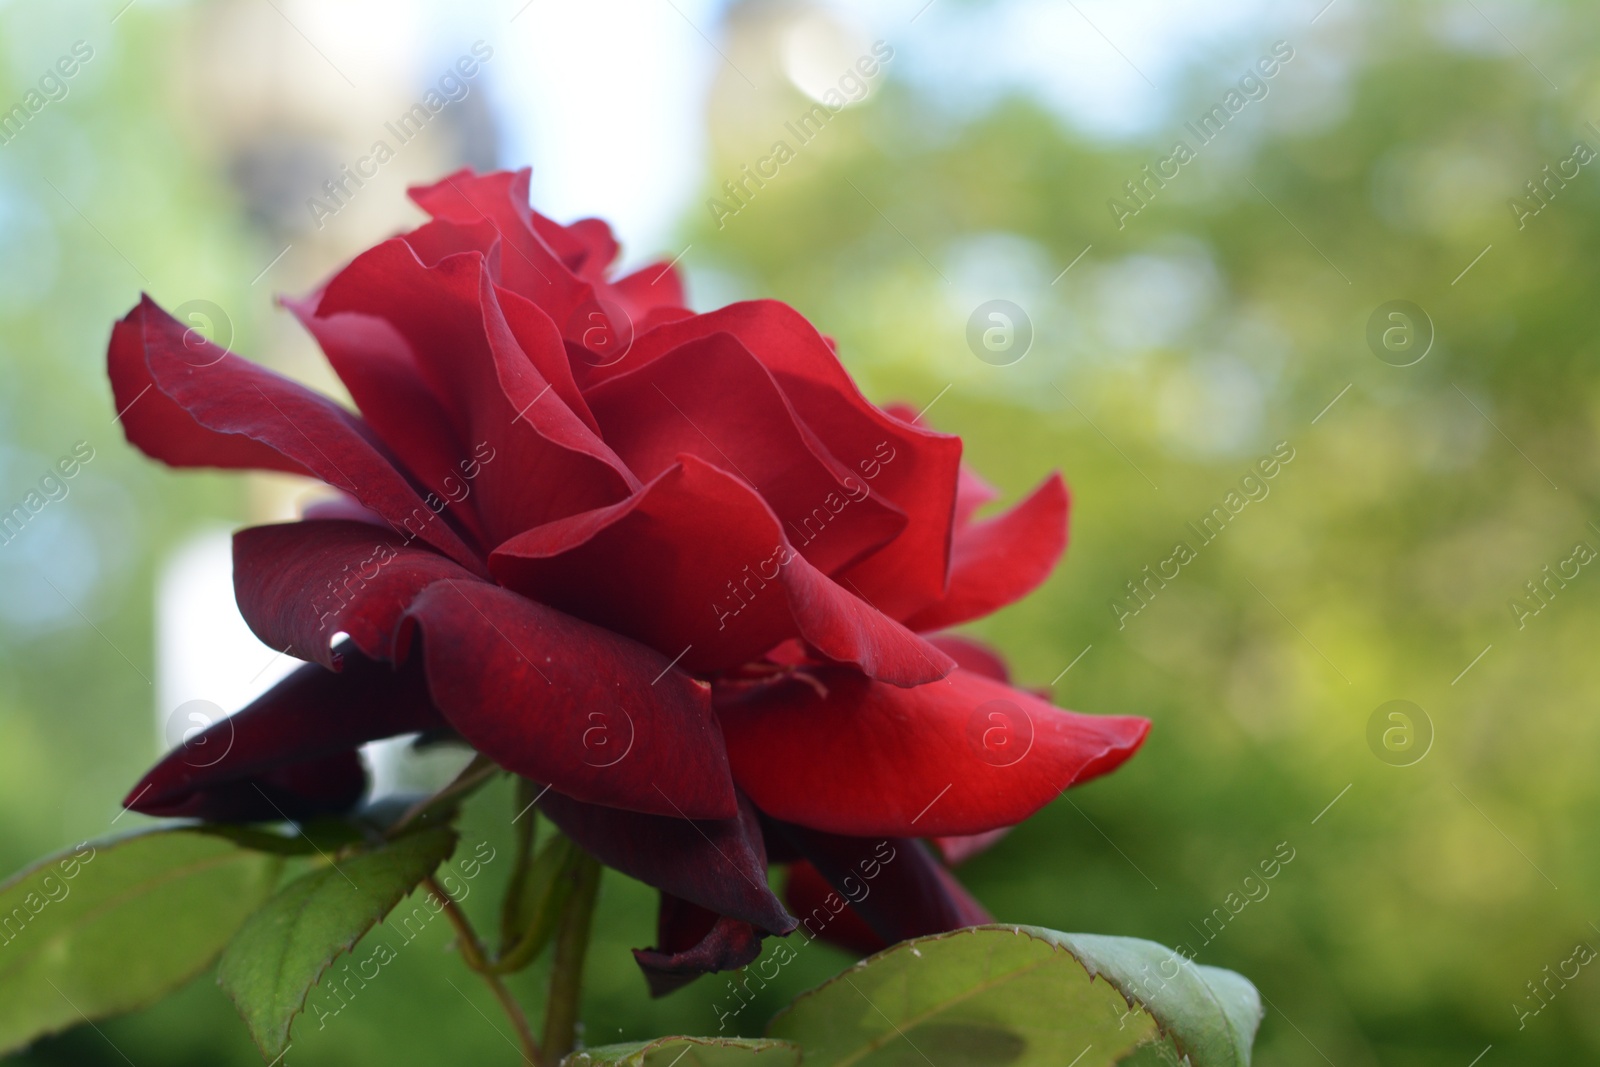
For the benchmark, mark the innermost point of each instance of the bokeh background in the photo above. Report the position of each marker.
(1440, 861)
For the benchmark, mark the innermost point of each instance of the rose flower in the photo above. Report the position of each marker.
(672, 566)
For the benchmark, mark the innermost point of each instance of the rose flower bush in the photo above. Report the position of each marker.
(671, 569)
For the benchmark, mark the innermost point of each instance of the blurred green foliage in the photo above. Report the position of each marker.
(1224, 318)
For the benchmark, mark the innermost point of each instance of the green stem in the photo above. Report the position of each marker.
(512, 920)
(473, 955)
(566, 969)
(447, 800)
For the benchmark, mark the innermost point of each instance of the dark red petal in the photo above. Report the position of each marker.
(913, 468)
(710, 398)
(662, 567)
(311, 715)
(962, 847)
(718, 864)
(541, 341)
(328, 785)
(436, 241)
(375, 364)
(961, 756)
(599, 717)
(825, 914)
(1001, 560)
(300, 583)
(157, 424)
(893, 884)
(540, 460)
(972, 655)
(209, 408)
(690, 942)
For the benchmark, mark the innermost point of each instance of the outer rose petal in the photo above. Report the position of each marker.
(718, 864)
(893, 884)
(300, 583)
(205, 407)
(662, 567)
(959, 849)
(309, 716)
(913, 468)
(1003, 559)
(550, 697)
(824, 913)
(328, 785)
(871, 759)
(692, 941)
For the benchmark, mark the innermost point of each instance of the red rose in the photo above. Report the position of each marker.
(673, 566)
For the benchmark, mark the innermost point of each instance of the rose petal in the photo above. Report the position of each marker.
(825, 914)
(1001, 560)
(599, 717)
(972, 492)
(295, 792)
(443, 238)
(662, 567)
(913, 468)
(375, 365)
(893, 884)
(529, 265)
(299, 584)
(961, 756)
(542, 461)
(972, 655)
(190, 403)
(692, 941)
(959, 849)
(718, 864)
(710, 398)
(649, 291)
(311, 715)
(599, 246)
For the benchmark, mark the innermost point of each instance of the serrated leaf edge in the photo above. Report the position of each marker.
(272, 1053)
(113, 842)
(1033, 933)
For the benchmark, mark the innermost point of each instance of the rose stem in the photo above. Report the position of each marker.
(566, 969)
(472, 954)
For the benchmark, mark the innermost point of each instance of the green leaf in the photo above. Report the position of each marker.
(281, 952)
(119, 923)
(262, 839)
(689, 1052)
(1022, 996)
